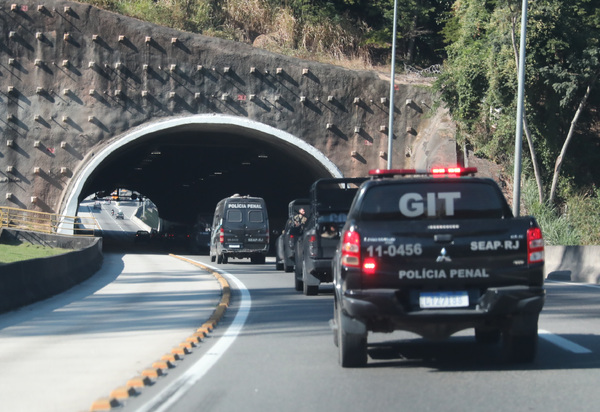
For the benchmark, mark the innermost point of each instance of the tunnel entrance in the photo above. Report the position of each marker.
(186, 165)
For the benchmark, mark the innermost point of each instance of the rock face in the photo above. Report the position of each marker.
(75, 78)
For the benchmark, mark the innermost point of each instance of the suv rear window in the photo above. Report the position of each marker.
(432, 200)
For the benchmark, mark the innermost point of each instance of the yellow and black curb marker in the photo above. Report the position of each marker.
(168, 360)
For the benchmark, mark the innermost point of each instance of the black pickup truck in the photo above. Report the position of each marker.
(330, 200)
(435, 253)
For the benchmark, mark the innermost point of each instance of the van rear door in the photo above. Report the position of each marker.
(257, 229)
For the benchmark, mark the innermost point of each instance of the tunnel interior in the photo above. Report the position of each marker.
(186, 170)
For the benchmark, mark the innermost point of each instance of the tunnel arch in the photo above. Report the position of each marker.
(278, 139)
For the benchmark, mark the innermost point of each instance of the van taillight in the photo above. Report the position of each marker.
(535, 245)
(222, 236)
(351, 249)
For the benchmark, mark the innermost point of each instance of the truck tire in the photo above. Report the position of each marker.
(308, 290)
(298, 283)
(487, 336)
(520, 348)
(335, 324)
(287, 268)
(352, 348)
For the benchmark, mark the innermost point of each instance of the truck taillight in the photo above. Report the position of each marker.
(222, 235)
(351, 249)
(312, 246)
(535, 245)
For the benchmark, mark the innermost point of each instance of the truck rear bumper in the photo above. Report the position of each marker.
(384, 310)
(320, 269)
(245, 252)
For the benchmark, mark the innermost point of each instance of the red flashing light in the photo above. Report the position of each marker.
(391, 172)
(436, 171)
(455, 171)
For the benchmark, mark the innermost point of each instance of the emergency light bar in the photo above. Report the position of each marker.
(436, 171)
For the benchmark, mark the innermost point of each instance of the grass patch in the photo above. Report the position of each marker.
(26, 251)
(574, 223)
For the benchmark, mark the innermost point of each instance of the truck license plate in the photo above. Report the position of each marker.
(428, 300)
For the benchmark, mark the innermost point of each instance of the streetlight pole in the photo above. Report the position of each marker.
(520, 98)
(392, 84)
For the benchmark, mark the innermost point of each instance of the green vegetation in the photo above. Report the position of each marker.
(479, 85)
(578, 225)
(16, 252)
(353, 33)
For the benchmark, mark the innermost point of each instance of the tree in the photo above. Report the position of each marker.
(479, 80)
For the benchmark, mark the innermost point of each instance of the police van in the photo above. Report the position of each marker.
(240, 229)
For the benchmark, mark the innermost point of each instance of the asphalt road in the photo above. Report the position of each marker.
(275, 352)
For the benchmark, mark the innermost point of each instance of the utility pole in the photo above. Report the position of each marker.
(520, 98)
(392, 87)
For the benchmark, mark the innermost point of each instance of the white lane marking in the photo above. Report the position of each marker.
(562, 342)
(176, 389)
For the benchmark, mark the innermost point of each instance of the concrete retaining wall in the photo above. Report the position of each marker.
(26, 282)
(573, 263)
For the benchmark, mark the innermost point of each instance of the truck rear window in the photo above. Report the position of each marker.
(433, 200)
(335, 199)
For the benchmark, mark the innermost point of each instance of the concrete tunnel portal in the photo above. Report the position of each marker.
(186, 165)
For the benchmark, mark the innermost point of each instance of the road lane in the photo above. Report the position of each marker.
(64, 353)
(285, 358)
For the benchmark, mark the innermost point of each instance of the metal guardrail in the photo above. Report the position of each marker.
(42, 222)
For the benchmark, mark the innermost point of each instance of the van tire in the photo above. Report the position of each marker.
(220, 259)
(258, 259)
(213, 258)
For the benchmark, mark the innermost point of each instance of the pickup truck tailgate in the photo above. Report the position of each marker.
(451, 254)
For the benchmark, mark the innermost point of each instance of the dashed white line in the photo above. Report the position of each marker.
(562, 342)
